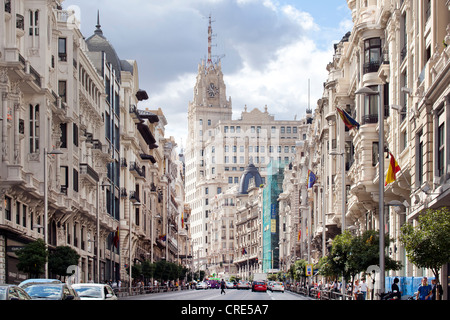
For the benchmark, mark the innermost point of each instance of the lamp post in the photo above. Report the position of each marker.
(369, 91)
(98, 227)
(46, 153)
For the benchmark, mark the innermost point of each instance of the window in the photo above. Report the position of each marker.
(63, 127)
(62, 49)
(404, 37)
(34, 20)
(34, 129)
(372, 55)
(62, 87)
(420, 162)
(371, 107)
(24, 215)
(64, 170)
(441, 149)
(7, 208)
(374, 153)
(75, 180)
(282, 130)
(75, 134)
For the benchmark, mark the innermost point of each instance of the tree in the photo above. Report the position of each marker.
(60, 259)
(427, 244)
(32, 258)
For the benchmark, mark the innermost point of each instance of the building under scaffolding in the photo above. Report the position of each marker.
(273, 188)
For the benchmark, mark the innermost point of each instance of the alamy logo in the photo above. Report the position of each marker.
(73, 273)
(376, 272)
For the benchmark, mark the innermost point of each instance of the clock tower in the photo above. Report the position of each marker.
(209, 107)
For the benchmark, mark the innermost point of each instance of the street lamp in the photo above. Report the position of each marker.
(369, 91)
(98, 227)
(46, 153)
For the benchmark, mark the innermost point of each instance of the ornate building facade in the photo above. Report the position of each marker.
(80, 162)
(399, 49)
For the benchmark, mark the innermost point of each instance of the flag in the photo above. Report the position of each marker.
(299, 235)
(182, 220)
(163, 237)
(392, 170)
(116, 238)
(348, 121)
(244, 251)
(311, 178)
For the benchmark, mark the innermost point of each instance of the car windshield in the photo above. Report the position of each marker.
(89, 292)
(51, 292)
(3, 293)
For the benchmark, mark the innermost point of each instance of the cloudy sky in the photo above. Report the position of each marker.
(268, 48)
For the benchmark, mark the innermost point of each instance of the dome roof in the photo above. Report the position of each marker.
(98, 43)
(251, 172)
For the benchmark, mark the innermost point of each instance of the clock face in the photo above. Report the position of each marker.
(212, 90)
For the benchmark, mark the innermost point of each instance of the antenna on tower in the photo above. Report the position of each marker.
(209, 62)
(308, 109)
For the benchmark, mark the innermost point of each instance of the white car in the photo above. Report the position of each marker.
(277, 286)
(94, 291)
(202, 285)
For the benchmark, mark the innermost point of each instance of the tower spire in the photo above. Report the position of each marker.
(98, 29)
(209, 62)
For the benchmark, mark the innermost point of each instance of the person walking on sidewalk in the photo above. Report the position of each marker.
(222, 287)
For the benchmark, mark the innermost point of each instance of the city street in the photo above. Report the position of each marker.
(214, 294)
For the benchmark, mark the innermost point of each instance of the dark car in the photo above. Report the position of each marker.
(259, 286)
(12, 292)
(213, 284)
(51, 291)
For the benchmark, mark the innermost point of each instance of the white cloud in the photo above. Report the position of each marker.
(271, 49)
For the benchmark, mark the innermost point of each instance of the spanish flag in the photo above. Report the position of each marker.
(299, 235)
(392, 170)
(348, 121)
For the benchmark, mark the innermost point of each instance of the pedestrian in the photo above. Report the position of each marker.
(356, 289)
(395, 289)
(222, 287)
(363, 288)
(435, 286)
(424, 290)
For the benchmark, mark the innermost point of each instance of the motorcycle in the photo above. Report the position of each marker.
(389, 295)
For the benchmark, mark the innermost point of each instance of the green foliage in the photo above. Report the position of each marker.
(351, 255)
(297, 270)
(61, 259)
(160, 270)
(427, 244)
(32, 258)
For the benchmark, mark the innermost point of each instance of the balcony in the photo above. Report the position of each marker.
(136, 170)
(86, 171)
(134, 197)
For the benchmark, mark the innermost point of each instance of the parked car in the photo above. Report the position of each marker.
(243, 285)
(29, 282)
(51, 291)
(259, 286)
(202, 285)
(277, 286)
(12, 292)
(229, 285)
(213, 284)
(94, 291)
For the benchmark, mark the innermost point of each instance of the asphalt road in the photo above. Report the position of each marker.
(214, 294)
